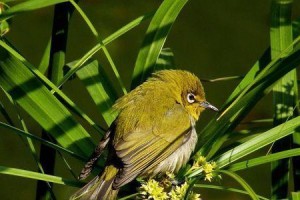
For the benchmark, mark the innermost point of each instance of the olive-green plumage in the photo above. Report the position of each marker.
(153, 133)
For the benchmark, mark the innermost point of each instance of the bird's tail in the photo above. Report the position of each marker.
(99, 188)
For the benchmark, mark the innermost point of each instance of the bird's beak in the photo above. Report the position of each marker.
(207, 105)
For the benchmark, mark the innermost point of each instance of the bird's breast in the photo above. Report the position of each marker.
(179, 157)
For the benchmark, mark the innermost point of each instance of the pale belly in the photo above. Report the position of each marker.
(179, 157)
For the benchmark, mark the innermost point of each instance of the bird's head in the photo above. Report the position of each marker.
(187, 90)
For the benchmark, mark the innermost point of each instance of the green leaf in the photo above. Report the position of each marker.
(295, 195)
(5, 113)
(107, 54)
(17, 80)
(264, 159)
(243, 183)
(223, 188)
(28, 5)
(38, 139)
(250, 76)
(165, 60)
(258, 142)
(155, 38)
(234, 113)
(43, 66)
(39, 176)
(285, 93)
(100, 89)
(67, 101)
(80, 63)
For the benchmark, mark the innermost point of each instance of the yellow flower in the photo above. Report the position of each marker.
(201, 160)
(208, 177)
(153, 190)
(194, 196)
(178, 192)
(208, 168)
(202, 166)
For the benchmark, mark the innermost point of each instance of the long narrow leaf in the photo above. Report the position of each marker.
(258, 142)
(264, 159)
(50, 85)
(250, 76)
(247, 99)
(243, 183)
(99, 88)
(79, 64)
(295, 195)
(28, 6)
(222, 188)
(165, 60)
(44, 63)
(284, 93)
(100, 41)
(45, 142)
(155, 38)
(37, 101)
(39, 176)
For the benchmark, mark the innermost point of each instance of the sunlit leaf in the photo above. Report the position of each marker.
(155, 38)
(243, 183)
(38, 176)
(17, 80)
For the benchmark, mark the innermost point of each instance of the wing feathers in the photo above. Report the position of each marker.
(143, 149)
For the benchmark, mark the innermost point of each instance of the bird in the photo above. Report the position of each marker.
(153, 133)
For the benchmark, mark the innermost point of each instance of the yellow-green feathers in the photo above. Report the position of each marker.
(153, 132)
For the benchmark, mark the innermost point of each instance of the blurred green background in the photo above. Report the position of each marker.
(211, 38)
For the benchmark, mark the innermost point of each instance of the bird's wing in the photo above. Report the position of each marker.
(147, 148)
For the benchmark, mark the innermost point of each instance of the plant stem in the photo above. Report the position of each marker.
(284, 94)
(62, 14)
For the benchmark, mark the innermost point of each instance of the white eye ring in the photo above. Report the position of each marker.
(190, 97)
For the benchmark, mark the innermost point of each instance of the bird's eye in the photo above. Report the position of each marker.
(190, 97)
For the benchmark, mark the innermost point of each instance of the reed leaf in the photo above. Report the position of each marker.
(18, 81)
(155, 38)
(284, 93)
(38, 176)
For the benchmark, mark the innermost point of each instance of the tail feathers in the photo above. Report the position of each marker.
(99, 188)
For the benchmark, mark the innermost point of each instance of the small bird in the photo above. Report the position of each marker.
(153, 133)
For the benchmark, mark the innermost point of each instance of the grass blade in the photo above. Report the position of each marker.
(250, 76)
(80, 63)
(38, 139)
(100, 89)
(43, 66)
(100, 41)
(243, 183)
(165, 60)
(295, 195)
(223, 188)
(284, 93)
(264, 159)
(62, 13)
(229, 118)
(39, 176)
(68, 102)
(28, 5)
(258, 142)
(17, 80)
(255, 143)
(155, 38)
